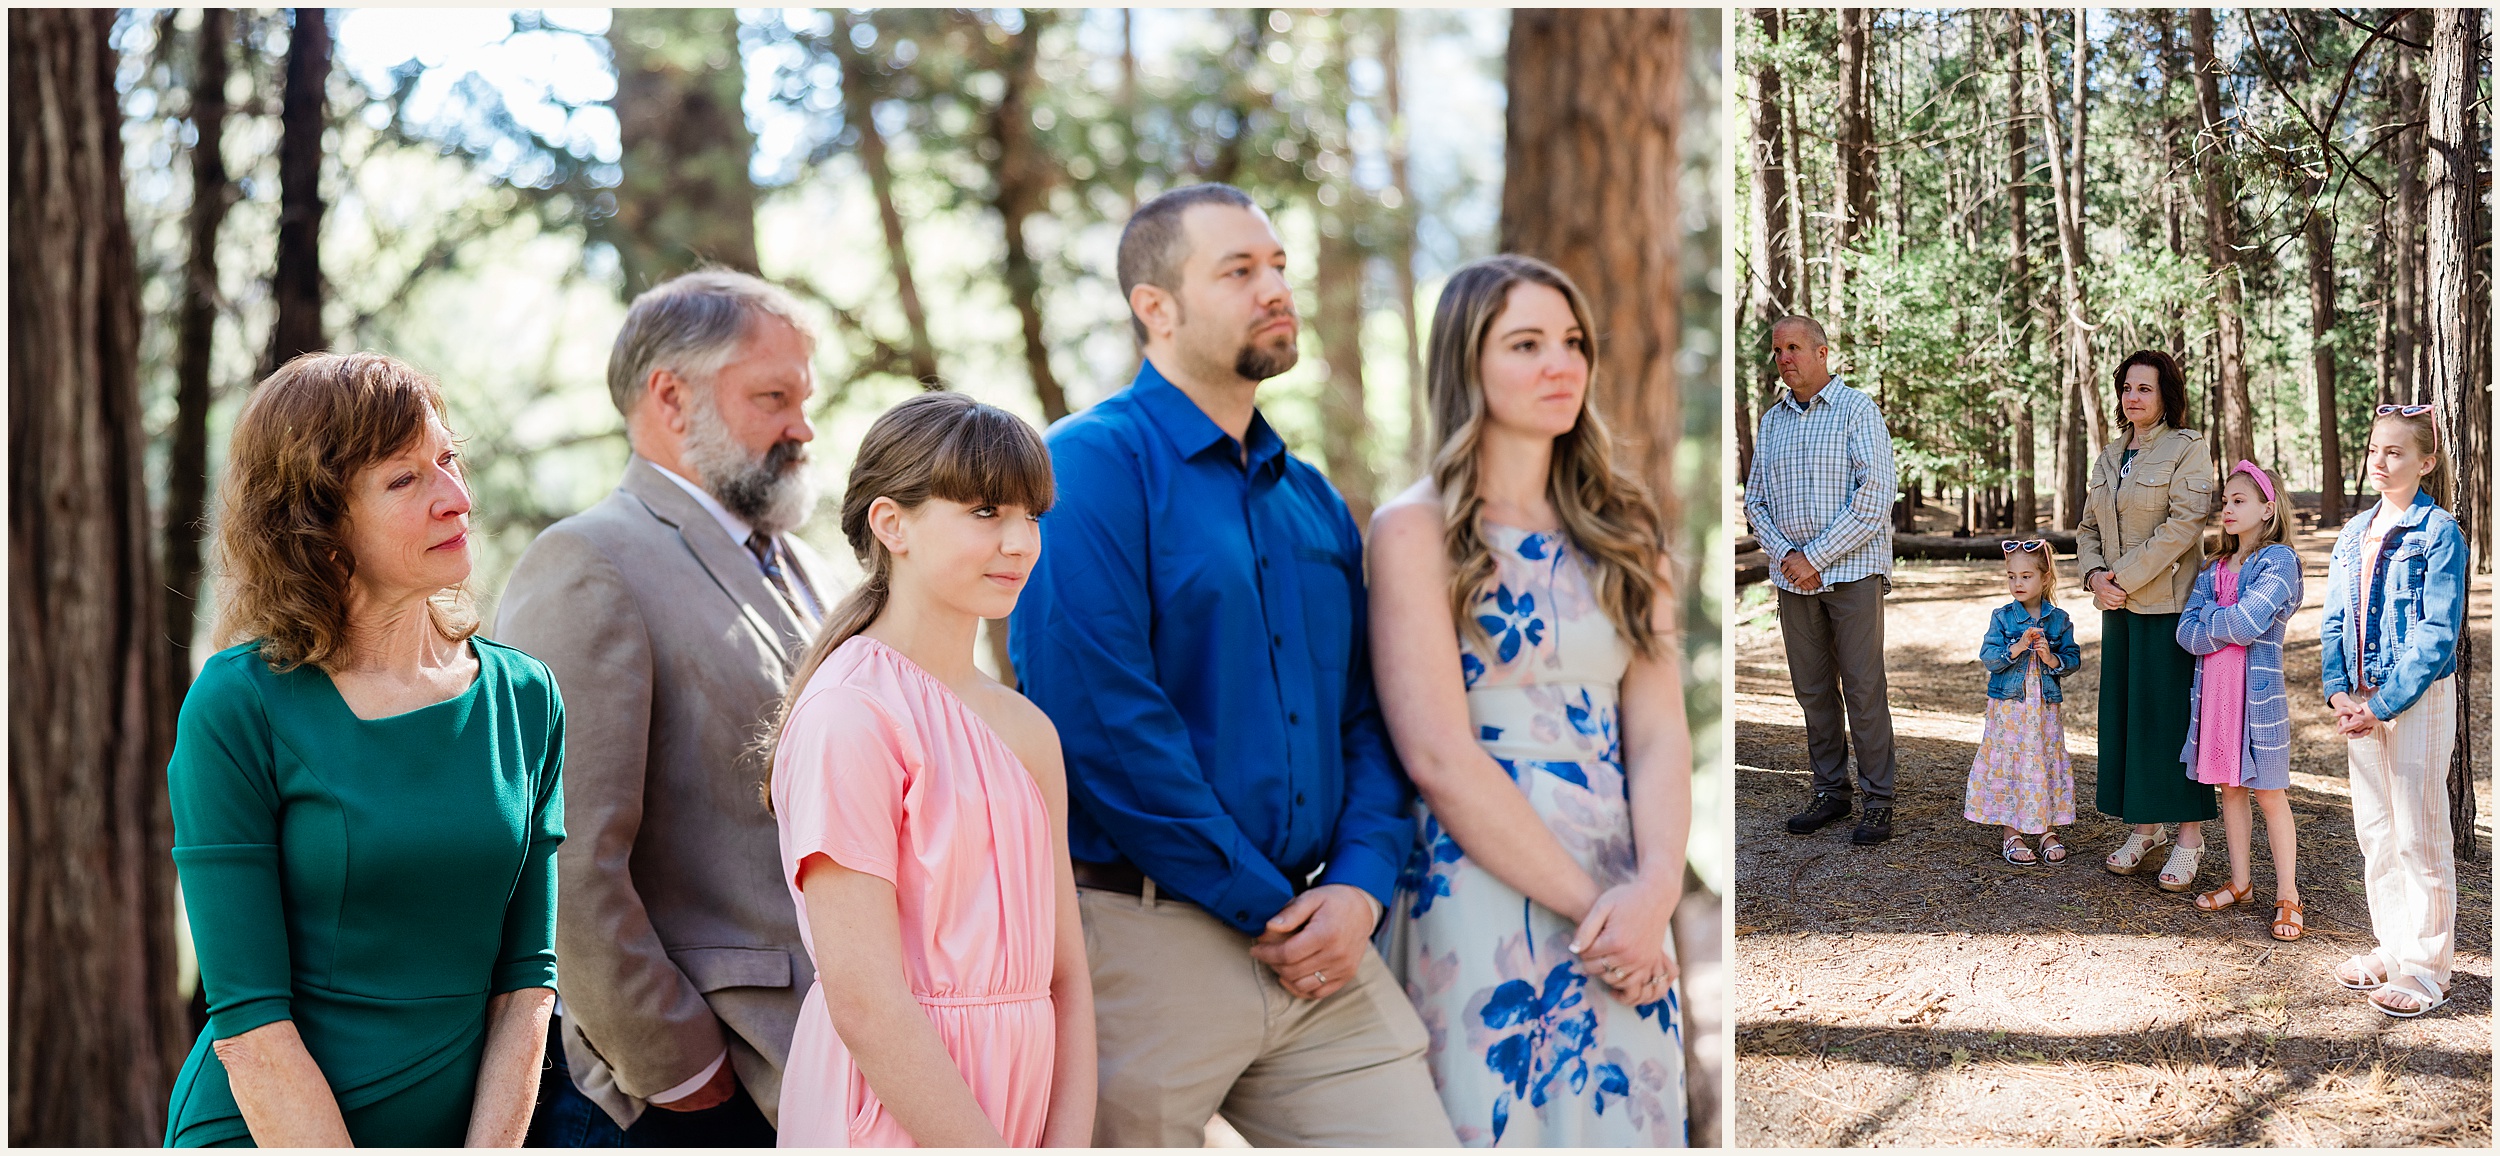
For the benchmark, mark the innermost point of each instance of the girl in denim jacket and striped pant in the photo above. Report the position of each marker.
(2395, 604)
(2239, 719)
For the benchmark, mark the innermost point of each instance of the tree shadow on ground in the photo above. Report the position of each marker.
(1927, 992)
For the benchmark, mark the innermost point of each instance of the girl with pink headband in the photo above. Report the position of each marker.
(2239, 718)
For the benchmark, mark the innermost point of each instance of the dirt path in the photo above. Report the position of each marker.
(1925, 992)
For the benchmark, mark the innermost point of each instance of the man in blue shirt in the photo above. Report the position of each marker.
(1195, 628)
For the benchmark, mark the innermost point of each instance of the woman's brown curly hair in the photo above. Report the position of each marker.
(282, 559)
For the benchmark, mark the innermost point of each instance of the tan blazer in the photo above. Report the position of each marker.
(2148, 528)
(675, 934)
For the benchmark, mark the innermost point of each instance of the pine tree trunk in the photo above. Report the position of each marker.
(186, 465)
(859, 107)
(2073, 420)
(2451, 195)
(2319, 234)
(1596, 101)
(2026, 495)
(684, 199)
(1769, 281)
(1021, 180)
(2222, 241)
(296, 284)
(1854, 206)
(2097, 417)
(95, 1030)
(1345, 425)
(1419, 447)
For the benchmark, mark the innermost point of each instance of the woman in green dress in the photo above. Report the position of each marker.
(2140, 544)
(364, 795)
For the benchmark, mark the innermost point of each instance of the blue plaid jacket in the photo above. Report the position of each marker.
(2270, 589)
(1823, 482)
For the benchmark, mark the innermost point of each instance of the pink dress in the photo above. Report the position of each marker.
(2020, 777)
(2223, 699)
(886, 772)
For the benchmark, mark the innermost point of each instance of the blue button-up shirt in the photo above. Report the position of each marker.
(1195, 628)
(1823, 482)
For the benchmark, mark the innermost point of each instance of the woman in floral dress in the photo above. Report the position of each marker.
(1522, 642)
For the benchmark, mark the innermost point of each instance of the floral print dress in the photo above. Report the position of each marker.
(1526, 1050)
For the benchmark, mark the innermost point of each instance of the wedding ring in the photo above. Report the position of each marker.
(1319, 979)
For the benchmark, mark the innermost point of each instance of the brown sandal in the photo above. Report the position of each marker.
(2289, 913)
(2223, 896)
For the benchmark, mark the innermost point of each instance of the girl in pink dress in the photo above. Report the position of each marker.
(923, 812)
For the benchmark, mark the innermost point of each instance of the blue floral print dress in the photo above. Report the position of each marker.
(1526, 1050)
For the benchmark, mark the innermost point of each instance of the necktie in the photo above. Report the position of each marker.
(768, 554)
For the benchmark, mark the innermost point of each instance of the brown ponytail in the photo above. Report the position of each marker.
(937, 445)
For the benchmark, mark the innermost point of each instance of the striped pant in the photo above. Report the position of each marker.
(2400, 815)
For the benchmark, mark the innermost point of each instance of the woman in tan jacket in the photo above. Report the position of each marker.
(2139, 547)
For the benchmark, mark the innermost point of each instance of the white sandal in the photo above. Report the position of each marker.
(2171, 879)
(2424, 1000)
(2129, 857)
(2369, 965)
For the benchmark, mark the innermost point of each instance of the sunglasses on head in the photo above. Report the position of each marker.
(2035, 545)
(2406, 410)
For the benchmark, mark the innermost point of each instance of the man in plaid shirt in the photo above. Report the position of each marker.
(1820, 499)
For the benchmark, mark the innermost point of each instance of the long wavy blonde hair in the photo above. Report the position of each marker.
(1606, 513)
(281, 555)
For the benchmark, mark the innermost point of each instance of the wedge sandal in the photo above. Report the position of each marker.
(2177, 878)
(2129, 857)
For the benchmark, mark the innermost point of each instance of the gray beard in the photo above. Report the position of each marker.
(771, 491)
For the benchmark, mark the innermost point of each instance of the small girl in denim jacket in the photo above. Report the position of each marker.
(2239, 719)
(2395, 604)
(2021, 779)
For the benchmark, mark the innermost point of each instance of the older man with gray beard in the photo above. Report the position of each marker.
(671, 613)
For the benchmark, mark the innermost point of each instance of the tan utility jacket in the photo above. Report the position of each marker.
(2148, 528)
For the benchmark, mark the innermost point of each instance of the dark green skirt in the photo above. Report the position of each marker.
(2146, 677)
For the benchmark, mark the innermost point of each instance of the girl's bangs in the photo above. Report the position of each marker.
(992, 458)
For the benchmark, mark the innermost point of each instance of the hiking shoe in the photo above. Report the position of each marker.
(1829, 807)
(1873, 827)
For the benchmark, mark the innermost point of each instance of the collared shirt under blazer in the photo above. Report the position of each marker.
(2269, 593)
(676, 932)
(2147, 525)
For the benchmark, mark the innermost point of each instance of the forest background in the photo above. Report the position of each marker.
(198, 194)
(1990, 208)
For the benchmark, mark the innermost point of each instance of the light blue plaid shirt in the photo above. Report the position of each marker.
(1823, 482)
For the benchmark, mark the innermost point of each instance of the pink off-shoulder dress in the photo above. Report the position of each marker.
(884, 770)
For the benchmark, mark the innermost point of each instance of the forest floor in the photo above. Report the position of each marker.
(1926, 992)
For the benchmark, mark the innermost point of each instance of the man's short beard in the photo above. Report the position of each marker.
(771, 491)
(1257, 362)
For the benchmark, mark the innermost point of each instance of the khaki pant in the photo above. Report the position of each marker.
(2400, 815)
(1188, 1024)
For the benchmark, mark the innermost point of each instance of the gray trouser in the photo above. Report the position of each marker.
(1835, 645)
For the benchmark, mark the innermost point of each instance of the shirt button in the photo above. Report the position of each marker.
(1262, 561)
(1294, 717)
(1297, 798)
(1276, 639)
(1241, 915)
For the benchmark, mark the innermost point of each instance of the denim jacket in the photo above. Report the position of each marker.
(2269, 593)
(2417, 608)
(2006, 666)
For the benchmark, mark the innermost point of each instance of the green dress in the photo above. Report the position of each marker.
(375, 881)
